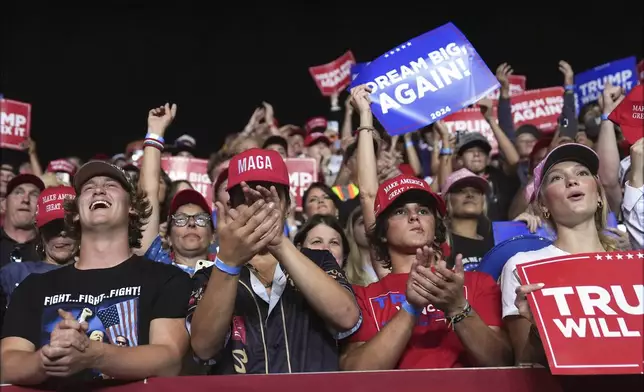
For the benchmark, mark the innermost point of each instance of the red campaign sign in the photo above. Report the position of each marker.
(517, 86)
(640, 71)
(590, 311)
(335, 76)
(302, 172)
(61, 165)
(471, 120)
(541, 108)
(15, 123)
(193, 170)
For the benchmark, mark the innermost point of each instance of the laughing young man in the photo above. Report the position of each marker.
(47, 328)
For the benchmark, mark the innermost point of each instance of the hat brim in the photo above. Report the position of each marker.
(477, 182)
(320, 139)
(100, 168)
(189, 196)
(572, 152)
(480, 143)
(25, 179)
(418, 195)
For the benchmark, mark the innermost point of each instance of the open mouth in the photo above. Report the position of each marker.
(576, 196)
(99, 204)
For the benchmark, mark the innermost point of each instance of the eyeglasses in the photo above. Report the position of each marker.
(16, 255)
(201, 219)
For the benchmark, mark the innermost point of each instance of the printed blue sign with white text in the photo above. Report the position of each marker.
(425, 79)
(590, 84)
(357, 68)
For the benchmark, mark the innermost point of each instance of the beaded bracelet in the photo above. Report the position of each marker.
(465, 313)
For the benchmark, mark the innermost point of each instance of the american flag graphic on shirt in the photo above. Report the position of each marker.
(121, 319)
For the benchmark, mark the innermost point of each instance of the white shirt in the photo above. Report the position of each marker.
(633, 214)
(509, 279)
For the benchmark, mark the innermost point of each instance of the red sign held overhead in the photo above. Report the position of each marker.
(590, 312)
(15, 124)
(193, 170)
(540, 108)
(302, 172)
(517, 86)
(471, 120)
(335, 76)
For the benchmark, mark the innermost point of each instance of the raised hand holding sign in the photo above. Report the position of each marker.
(425, 79)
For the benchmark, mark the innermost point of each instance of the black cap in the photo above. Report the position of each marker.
(101, 168)
(568, 152)
(529, 129)
(472, 139)
(25, 179)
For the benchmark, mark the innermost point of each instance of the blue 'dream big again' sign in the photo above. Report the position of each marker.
(356, 69)
(425, 79)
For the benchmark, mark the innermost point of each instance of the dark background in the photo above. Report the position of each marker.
(92, 75)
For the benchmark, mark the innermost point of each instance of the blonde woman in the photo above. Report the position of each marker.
(569, 197)
(359, 268)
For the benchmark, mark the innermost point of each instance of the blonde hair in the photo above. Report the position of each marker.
(353, 264)
(600, 216)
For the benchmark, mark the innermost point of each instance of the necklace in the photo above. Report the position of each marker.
(267, 283)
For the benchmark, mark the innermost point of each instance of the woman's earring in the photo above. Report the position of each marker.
(600, 204)
(546, 214)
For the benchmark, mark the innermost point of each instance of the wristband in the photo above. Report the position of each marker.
(153, 143)
(156, 137)
(223, 267)
(409, 308)
(604, 117)
(465, 313)
(409, 144)
(569, 87)
(446, 151)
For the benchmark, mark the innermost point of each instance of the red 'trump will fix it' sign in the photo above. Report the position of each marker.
(15, 123)
(590, 312)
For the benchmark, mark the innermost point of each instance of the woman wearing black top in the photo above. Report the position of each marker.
(469, 231)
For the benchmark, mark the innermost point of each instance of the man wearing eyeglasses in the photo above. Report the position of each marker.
(18, 233)
(190, 232)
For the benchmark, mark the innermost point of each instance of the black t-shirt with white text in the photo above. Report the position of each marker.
(118, 303)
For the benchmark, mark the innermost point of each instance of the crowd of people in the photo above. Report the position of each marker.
(111, 270)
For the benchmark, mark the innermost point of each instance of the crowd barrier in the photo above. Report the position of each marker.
(453, 380)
